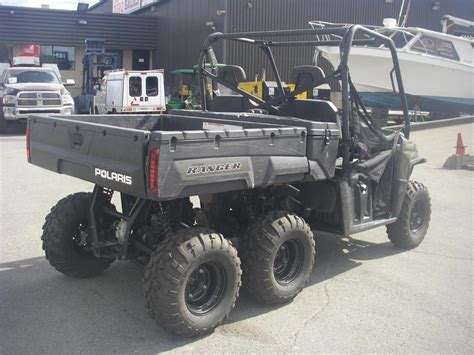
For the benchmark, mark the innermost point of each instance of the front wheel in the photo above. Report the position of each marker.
(66, 240)
(192, 281)
(412, 224)
(277, 257)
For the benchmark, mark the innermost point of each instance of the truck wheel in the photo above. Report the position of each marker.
(3, 123)
(412, 224)
(192, 281)
(277, 257)
(65, 238)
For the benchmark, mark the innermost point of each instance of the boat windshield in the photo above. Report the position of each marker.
(400, 37)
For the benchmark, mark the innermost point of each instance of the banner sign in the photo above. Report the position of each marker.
(129, 6)
(30, 50)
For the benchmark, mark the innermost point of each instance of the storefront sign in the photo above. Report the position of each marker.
(129, 6)
(30, 50)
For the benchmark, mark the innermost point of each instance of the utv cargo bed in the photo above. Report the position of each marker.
(168, 156)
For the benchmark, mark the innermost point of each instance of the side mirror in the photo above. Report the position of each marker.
(69, 82)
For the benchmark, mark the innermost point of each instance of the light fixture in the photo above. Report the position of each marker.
(436, 5)
(389, 1)
(82, 22)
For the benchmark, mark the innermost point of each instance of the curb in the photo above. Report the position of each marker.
(419, 126)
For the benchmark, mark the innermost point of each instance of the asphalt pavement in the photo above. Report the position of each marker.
(364, 295)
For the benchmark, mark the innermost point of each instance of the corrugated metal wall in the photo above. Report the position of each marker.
(27, 25)
(182, 27)
(250, 15)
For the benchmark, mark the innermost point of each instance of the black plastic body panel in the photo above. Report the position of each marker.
(321, 145)
(112, 150)
(78, 148)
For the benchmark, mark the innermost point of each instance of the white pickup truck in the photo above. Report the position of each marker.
(131, 91)
(27, 88)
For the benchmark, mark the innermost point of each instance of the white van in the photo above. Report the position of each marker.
(130, 91)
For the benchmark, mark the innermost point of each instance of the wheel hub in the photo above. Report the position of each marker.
(417, 216)
(80, 239)
(204, 288)
(288, 262)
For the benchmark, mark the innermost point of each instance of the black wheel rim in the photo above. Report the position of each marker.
(80, 239)
(417, 216)
(205, 288)
(288, 261)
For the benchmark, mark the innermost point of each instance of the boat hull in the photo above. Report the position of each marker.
(430, 83)
(390, 100)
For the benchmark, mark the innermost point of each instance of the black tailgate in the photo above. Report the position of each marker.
(112, 157)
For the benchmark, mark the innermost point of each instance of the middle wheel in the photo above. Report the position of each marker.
(277, 256)
(192, 281)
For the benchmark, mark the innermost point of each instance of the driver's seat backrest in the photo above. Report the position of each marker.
(233, 74)
(306, 76)
(230, 101)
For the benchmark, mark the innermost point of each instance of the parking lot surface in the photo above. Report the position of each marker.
(364, 295)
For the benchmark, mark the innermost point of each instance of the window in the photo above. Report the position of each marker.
(17, 76)
(5, 54)
(119, 54)
(152, 86)
(64, 57)
(446, 49)
(135, 86)
(401, 38)
(436, 47)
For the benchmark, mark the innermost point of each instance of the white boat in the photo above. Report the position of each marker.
(437, 68)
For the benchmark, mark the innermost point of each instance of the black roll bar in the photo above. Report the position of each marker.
(345, 44)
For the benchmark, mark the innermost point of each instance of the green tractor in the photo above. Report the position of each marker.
(184, 93)
(183, 87)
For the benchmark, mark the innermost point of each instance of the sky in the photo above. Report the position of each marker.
(53, 4)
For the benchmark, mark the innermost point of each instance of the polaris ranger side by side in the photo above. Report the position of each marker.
(26, 88)
(269, 175)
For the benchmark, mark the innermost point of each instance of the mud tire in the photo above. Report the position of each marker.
(263, 277)
(61, 226)
(169, 273)
(406, 232)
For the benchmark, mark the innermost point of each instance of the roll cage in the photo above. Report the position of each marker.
(343, 37)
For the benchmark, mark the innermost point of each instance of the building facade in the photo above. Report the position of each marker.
(169, 34)
(61, 36)
(184, 24)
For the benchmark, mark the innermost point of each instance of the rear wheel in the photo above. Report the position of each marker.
(66, 239)
(192, 281)
(412, 224)
(277, 257)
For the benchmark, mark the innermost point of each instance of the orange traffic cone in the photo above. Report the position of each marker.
(460, 147)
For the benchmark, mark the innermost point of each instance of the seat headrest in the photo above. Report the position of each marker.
(232, 74)
(306, 75)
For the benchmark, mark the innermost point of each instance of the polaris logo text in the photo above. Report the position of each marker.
(109, 175)
(213, 168)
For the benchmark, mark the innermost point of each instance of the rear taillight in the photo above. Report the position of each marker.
(153, 171)
(28, 144)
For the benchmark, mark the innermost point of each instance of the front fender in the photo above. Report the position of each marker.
(414, 162)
